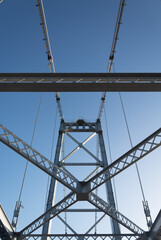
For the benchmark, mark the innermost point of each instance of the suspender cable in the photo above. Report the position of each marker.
(48, 49)
(19, 203)
(113, 49)
(145, 203)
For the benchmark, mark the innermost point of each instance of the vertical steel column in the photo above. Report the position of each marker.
(109, 190)
(53, 183)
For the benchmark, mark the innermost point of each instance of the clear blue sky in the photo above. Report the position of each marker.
(81, 35)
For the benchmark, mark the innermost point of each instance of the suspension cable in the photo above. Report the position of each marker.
(113, 49)
(19, 203)
(48, 49)
(110, 154)
(145, 203)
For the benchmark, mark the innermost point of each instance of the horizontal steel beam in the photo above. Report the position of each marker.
(80, 82)
(82, 236)
(81, 164)
(82, 210)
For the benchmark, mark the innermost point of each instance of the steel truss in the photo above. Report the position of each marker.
(83, 236)
(25, 150)
(80, 82)
(81, 191)
(53, 212)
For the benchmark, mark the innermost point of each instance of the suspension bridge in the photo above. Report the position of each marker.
(101, 171)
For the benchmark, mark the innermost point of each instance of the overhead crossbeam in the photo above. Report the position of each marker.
(80, 82)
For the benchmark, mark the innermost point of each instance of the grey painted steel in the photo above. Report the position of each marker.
(46, 35)
(6, 229)
(82, 210)
(48, 49)
(84, 236)
(109, 189)
(80, 126)
(68, 201)
(155, 232)
(66, 224)
(113, 50)
(85, 149)
(91, 174)
(4, 235)
(148, 145)
(81, 188)
(79, 82)
(85, 141)
(95, 224)
(110, 197)
(25, 150)
(147, 214)
(81, 164)
(53, 182)
(113, 213)
(16, 214)
(116, 34)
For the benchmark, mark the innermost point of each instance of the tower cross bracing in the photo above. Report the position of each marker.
(81, 190)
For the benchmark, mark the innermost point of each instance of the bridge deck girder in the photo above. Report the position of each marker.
(80, 82)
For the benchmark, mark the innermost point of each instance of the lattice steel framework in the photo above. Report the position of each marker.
(81, 190)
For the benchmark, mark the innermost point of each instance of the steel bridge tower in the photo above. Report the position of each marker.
(81, 126)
